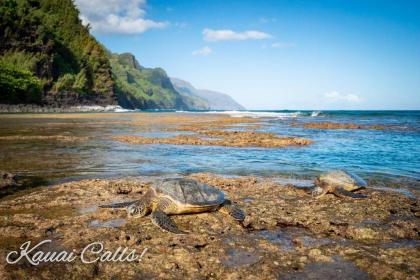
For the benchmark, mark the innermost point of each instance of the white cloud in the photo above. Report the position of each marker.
(116, 16)
(202, 52)
(334, 96)
(225, 35)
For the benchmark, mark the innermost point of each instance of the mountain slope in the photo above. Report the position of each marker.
(44, 44)
(147, 88)
(215, 100)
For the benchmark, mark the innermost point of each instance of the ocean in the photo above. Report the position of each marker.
(393, 151)
(389, 153)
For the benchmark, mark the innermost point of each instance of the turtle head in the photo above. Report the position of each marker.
(318, 191)
(137, 210)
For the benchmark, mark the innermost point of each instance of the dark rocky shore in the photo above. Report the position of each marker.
(31, 108)
(287, 234)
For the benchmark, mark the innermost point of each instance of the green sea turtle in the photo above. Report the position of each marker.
(340, 183)
(178, 196)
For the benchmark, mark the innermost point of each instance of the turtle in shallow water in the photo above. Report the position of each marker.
(178, 196)
(340, 183)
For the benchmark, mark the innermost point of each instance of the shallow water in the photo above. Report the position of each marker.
(108, 224)
(339, 269)
(289, 238)
(392, 153)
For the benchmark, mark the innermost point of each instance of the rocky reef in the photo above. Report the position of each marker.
(221, 138)
(287, 234)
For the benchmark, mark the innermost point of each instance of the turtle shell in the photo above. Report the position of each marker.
(342, 179)
(189, 192)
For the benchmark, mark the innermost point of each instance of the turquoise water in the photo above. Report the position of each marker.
(394, 151)
(390, 153)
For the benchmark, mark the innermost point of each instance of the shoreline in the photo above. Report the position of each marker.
(35, 109)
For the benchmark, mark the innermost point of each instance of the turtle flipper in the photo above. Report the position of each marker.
(343, 193)
(232, 210)
(163, 221)
(118, 205)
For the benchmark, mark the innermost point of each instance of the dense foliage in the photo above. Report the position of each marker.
(18, 85)
(45, 42)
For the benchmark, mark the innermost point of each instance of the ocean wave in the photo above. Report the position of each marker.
(98, 108)
(315, 113)
(259, 114)
(122, 110)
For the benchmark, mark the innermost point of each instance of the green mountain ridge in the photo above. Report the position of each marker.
(48, 58)
(215, 100)
(139, 87)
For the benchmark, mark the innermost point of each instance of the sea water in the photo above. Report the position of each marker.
(392, 152)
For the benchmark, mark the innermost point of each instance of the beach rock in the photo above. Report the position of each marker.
(287, 233)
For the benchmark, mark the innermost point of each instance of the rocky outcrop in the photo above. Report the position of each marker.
(287, 234)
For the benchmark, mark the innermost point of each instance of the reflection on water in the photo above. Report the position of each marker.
(339, 269)
(235, 257)
(290, 238)
(391, 153)
(108, 224)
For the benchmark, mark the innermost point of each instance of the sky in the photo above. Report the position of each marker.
(274, 54)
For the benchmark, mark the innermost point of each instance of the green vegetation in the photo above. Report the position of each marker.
(48, 57)
(47, 45)
(18, 85)
(139, 87)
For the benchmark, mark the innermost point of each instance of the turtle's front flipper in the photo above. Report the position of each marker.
(163, 221)
(233, 211)
(118, 205)
(343, 193)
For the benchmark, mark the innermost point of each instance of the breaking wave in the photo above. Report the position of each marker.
(267, 114)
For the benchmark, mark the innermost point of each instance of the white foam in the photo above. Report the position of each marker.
(122, 110)
(97, 108)
(253, 114)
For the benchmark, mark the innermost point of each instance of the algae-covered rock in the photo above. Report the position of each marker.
(287, 234)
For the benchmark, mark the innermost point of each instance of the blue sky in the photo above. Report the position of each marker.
(274, 54)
